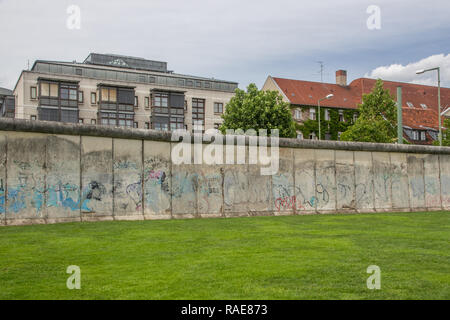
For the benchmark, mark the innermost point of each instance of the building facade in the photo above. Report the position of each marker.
(7, 103)
(419, 109)
(120, 91)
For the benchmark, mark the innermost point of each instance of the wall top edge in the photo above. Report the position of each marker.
(47, 127)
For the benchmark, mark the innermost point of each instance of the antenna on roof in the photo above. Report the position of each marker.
(321, 70)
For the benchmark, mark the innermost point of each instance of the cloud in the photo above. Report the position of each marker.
(407, 73)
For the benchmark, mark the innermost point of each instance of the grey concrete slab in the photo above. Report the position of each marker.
(26, 174)
(345, 180)
(364, 185)
(325, 181)
(305, 181)
(157, 181)
(400, 182)
(416, 179)
(128, 172)
(63, 196)
(382, 181)
(97, 202)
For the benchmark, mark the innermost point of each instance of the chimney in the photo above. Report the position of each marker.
(341, 78)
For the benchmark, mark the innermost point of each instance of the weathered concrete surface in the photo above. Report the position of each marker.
(157, 181)
(432, 182)
(305, 181)
(382, 181)
(444, 161)
(416, 170)
(128, 180)
(26, 174)
(63, 196)
(97, 179)
(325, 181)
(364, 185)
(345, 179)
(400, 183)
(283, 187)
(2, 179)
(47, 177)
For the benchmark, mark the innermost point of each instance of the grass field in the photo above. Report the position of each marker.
(296, 257)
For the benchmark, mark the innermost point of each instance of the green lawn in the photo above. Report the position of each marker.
(296, 257)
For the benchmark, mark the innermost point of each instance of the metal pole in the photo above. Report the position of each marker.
(399, 116)
(439, 105)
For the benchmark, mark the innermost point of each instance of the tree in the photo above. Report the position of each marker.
(377, 121)
(257, 109)
(445, 135)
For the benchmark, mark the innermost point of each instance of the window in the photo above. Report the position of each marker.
(80, 121)
(327, 114)
(424, 106)
(298, 114)
(136, 102)
(198, 114)
(168, 110)
(147, 102)
(161, 100)
(312, 136)
(58, 101)
(33, 118)
(80, 97)
(185, 105)
(93, 98)
(218, 107)
(49, 89)
(116, 106)
(33, 93)
(341, 116)
(410, 105)
(415, 135)
(147, 125)
(93, 121)
(135, 125)
(108, 95)
(299, 135)
(423, 136)
(79, 72)
(312, 113)
(355, 117)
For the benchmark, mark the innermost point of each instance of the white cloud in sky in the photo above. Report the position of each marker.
(407, 73)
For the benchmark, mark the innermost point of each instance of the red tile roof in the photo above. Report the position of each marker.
(308, 93)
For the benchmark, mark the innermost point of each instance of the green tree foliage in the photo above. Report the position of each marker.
(445, 135)
(257, 109)
(377, 121)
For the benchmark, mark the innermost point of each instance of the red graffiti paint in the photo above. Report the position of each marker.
(287, 203)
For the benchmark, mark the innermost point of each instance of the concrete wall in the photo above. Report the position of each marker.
(53, 172)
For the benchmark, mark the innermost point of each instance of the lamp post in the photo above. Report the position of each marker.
(439, 98)
(328, 97)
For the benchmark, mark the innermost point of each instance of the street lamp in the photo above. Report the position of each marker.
(328, 97)
(439, 98)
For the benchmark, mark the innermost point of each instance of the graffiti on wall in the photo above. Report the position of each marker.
(94, 192)
(156, 185)
(29, 190)
(64, 195)
(2, 197)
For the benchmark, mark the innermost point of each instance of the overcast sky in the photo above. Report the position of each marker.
(237, 40)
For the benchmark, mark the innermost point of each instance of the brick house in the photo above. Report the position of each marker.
(420, 109)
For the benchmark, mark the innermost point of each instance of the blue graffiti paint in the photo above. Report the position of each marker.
(16, 200)
(63, 196)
